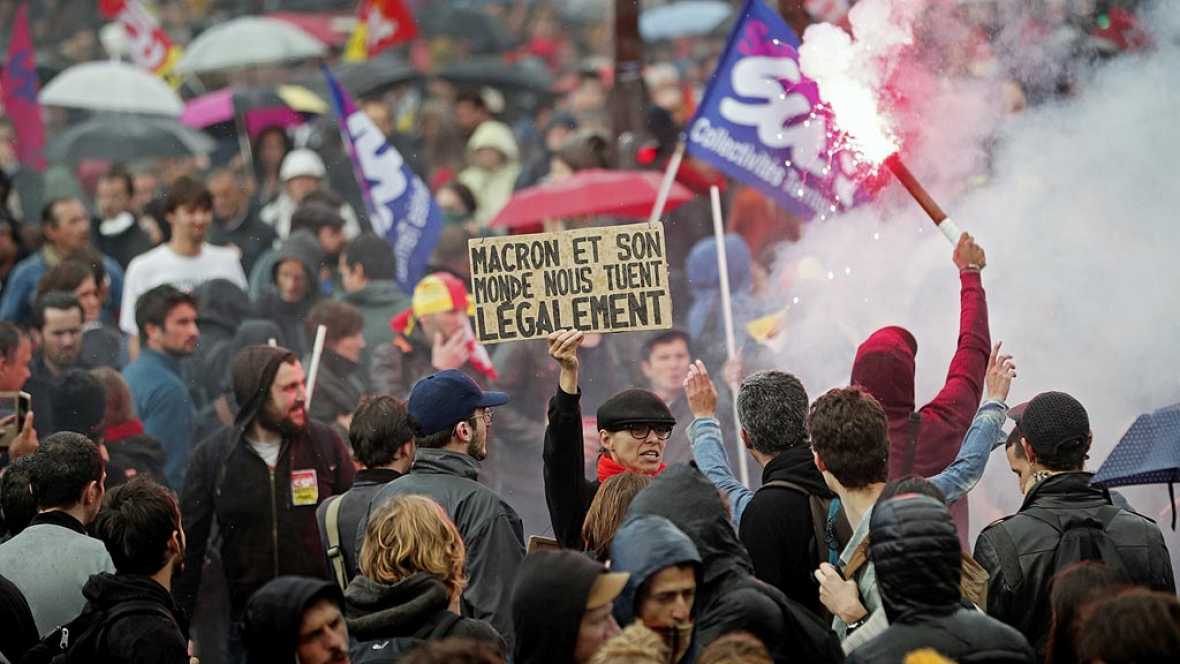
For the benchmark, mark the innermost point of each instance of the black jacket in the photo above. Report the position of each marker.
(248, 233)
(122, 247)
(262, 533)
(354, 512)
(567, 491)
(1018, 551)
(915, 549)
(339, 387)
(730, 598)
(406, 613)
(18, 632)
(292, 316)
(777, 530)
(139, 637)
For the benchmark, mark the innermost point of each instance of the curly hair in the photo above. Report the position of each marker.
(736, 648)
(850, 434)
(636, 644)
(410, 534)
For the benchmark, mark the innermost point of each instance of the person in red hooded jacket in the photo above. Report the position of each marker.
(924, 441)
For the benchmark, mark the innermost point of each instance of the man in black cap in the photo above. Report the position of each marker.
(261, 479)
(296, 618)
(1063, 519)
(562, 608)
(633, 430)
(453, 416)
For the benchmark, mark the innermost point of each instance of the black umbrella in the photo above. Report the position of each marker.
(523, 75)
(367, 78)
(126, 137)
(482, 32)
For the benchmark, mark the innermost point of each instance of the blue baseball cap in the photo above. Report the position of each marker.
(442, 400)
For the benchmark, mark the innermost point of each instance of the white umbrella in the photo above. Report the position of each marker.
(686, 18)
(249, 40)
(112, 86)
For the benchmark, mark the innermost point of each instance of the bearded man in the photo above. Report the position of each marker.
(261, 479)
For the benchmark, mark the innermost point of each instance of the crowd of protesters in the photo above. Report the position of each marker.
(174, 489)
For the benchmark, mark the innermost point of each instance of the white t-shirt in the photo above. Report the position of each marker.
(164, 266)
(268, 451)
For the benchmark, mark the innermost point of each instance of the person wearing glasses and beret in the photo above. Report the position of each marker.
(453, 417)
(633, 428)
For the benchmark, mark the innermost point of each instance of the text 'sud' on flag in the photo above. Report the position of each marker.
(760, 121)
(401, 207)
(19, 86)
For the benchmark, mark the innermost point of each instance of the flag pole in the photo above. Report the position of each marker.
(317, 351)
(668, 181)
(727, 314)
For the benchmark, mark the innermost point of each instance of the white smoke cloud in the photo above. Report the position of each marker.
(1078, 215)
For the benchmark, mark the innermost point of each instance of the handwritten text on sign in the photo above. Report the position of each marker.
(612, 279)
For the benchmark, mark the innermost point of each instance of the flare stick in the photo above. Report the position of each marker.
(944, 223)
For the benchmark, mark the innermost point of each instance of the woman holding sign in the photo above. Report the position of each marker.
(633, 427)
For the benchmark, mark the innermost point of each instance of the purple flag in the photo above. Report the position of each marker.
(20, 89)
(401, 207)
(760, 121)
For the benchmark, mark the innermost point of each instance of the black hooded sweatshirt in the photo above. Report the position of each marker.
(265, 531)
(138, 637)
(274, 616)
(730, 598)
(777, 530)
(548, 603)
(303, 247)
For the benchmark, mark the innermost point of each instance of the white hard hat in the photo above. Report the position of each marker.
(302, 163)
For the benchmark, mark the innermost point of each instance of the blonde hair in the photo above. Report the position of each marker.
(635, 645)
(408, 534)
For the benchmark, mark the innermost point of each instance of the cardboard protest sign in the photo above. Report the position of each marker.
(611, 279)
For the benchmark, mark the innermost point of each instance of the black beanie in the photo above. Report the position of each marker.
(634, 406)
(1052, 420)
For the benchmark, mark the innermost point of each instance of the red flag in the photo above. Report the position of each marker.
(20, 89)
(149, 46)
(384, 23)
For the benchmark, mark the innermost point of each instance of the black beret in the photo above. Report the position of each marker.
(634, 406)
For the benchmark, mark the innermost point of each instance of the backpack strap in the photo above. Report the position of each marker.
(818, 517)
(829, 524)
(1009, 557)
(335, 553)
(125, 609)
(911, 448)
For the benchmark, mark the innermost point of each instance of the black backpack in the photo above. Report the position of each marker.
(82, 639)
(1083, 538)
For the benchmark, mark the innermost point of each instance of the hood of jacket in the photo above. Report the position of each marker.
(275, 613)
(496, 135)
(105, 590)
(643, 546)
(253, 372)
(885, 366)
(548, 602)
(221, 306)
(252, 332)
(377, 610)
(685, 497)
(915, 548)
(796, 465)
(378, 293)
(305, 248)
(445, 462)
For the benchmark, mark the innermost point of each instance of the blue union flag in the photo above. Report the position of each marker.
(401, 207)
(760, 121)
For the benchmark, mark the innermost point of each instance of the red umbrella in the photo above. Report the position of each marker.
(626, 194)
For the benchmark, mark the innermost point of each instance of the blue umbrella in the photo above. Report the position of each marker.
(1149, 453)
(683, 19)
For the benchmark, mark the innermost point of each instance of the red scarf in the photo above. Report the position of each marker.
(607, 467)
(118, 432)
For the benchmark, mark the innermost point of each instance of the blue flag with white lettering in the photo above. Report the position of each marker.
(401, 207)
(760, 121)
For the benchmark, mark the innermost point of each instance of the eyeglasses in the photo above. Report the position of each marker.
(487, 415)
(641, 431)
